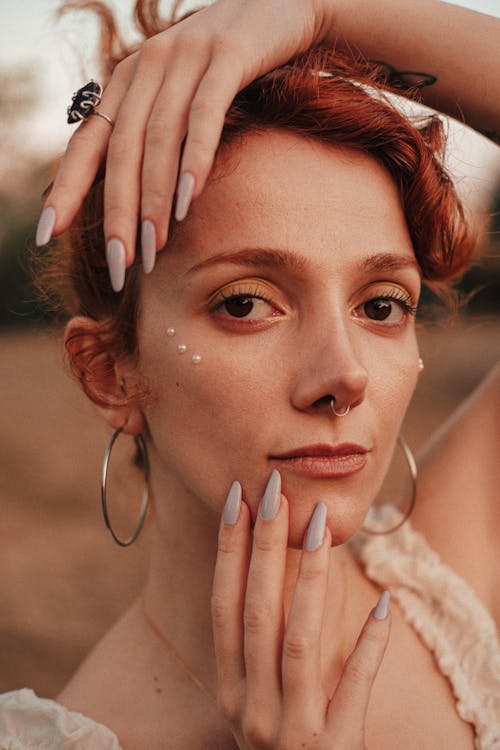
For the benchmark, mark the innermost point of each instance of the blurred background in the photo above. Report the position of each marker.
(63, 581)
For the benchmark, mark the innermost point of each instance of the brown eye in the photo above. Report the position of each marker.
(238, 307)
(380, 309)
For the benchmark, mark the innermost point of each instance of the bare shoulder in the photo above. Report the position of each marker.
(127, 684)
(458, 508)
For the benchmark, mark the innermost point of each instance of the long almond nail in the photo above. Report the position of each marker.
(382, 608)
(45, 226)
(316, 529)
(272, 496)
(148, 245)
(233, 504)
(115, 257)
(184, 195)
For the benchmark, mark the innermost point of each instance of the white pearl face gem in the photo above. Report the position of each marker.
(182, 348)
(170, 331)
(196, 358)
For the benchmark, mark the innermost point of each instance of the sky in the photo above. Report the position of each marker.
(58, 52)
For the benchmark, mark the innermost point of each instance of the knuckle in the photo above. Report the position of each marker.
(152, 49)
(201, 154)
(257, 615)
(189, 37)
(224, 44)
(155, 201)
(219, 608)
(257, 731)
(159, 131)
(120, 145)
(357, 673)
(263, 544)
(81, 140)
(297, 646)
(376, 636)
(227, 544)
(116, 216)
(122, 68)
(202, 105)
(312, 572)
(63, 188)
(228, 704)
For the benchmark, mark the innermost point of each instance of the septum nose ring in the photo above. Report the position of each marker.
(344, 413)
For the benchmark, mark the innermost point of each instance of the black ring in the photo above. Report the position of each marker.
(84, 101)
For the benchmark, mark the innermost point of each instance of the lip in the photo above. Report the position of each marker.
(324, 461)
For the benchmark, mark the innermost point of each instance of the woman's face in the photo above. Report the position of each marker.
(293, 279)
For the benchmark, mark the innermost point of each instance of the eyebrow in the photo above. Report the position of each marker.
(257, 256)
(389, 262)
(279, 259)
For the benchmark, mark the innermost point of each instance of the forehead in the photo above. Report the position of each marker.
(281, 190)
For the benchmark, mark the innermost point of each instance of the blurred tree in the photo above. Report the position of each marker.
(23, 179)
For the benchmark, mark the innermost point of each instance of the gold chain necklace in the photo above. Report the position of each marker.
(175, 655)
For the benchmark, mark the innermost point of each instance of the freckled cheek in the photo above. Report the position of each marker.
(224, 395)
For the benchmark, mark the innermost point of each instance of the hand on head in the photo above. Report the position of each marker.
(168, 102)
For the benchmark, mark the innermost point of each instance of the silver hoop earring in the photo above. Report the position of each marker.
(412, 466)
(141, 445)
(344, 413)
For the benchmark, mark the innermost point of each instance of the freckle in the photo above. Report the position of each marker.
(177, 385)
(155, 679)
(159, 690)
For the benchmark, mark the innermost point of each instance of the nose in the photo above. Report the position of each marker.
(329, 368)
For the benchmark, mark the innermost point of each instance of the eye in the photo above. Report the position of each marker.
(250, 300)
(391, 309)
(246, 306)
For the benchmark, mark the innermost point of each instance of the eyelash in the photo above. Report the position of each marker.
(399, 296)
(224, 295)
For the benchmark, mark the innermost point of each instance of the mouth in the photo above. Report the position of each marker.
(324, 461)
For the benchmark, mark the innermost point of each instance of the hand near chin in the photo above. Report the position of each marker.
(270, 673)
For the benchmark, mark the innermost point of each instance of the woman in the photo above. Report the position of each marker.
(269, 360)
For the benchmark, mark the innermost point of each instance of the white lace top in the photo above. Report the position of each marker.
(28, 722)
(445, 612)
(439, 605)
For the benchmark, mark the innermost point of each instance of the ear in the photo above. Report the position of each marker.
(110, 381)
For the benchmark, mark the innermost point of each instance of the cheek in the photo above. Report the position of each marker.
(210, 420)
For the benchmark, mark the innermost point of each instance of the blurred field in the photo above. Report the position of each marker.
(63, 580)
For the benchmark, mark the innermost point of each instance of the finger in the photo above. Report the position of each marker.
(216, 91)
(347, 711)
(165, 132)
(84, 154)
(303, 694)
(228, 595)
(263, 614)
(124, 160)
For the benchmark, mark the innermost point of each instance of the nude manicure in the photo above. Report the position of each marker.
(45, 226)
(316, 529)
(233, 504)
(382, 608)
(272, 496)
(148, 245)
(184, 195)
(115, 257)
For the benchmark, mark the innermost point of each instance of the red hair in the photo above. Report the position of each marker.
(322, 94)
